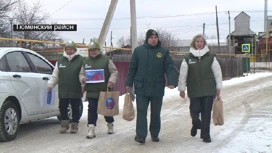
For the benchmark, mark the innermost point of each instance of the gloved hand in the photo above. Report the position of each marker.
(132, 94)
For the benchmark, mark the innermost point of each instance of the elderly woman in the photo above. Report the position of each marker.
(201, 73)
(66, 75)
(97, 62)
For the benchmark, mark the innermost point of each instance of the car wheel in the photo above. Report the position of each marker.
(69, 108)
(9, 123)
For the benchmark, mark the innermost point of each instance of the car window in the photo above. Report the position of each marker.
(17, 62)
(40, 64)
(3, 64)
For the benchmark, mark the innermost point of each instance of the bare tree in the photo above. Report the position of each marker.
(29, 15)
(167, 39)
(6, 6)
(4, 28)
(123, 42)
(141, 39)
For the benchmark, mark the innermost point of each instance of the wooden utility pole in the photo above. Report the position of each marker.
(111, 39)
(265, 16)
(133, 28)
(107, 22)
(229, 44)
(11, 30)
(111, 44)
(204, 30)
(218, 39)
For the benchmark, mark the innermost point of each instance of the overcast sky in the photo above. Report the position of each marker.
(183, 18)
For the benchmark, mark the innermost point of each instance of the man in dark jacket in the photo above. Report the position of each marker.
(148, 66)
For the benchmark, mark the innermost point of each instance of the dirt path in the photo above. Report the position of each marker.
(242, 103)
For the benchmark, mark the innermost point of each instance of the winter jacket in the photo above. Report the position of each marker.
(147, 70)
(66, 75)
(201, 73)
(110, 74)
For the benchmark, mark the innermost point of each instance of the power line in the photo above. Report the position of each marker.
(168, 27)
(152, 17)
(61, 7)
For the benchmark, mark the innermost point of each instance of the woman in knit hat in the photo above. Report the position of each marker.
(97, 62)
(66, 75)
(148, 66)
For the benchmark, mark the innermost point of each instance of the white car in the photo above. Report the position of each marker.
(23, 90)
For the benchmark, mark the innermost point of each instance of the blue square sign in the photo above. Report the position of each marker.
(246, 48)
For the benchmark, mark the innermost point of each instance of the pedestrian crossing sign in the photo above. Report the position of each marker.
(246, 48)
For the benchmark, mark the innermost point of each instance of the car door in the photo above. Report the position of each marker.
(44, 71)
(26, 82)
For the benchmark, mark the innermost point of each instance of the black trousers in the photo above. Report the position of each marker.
(75, 104)
(155, 115)
(92, 112)
(202, 105)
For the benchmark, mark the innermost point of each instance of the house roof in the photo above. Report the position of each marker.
(241, 13)
(241, 33)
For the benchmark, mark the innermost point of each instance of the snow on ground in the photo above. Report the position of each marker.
(170, 93)
(256, 137)
(247, 128)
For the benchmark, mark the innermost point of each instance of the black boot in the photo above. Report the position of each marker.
(206, 137)
(193, 131)
(194, 128)
(139, 139)
(207, 140)
(155, 139)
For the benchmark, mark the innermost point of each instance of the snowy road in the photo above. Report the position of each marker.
(248, 128)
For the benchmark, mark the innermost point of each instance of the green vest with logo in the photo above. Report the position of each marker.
(200, 78)
(69, 84)
(99, 62)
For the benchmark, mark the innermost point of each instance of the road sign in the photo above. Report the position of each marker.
(246, 48)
